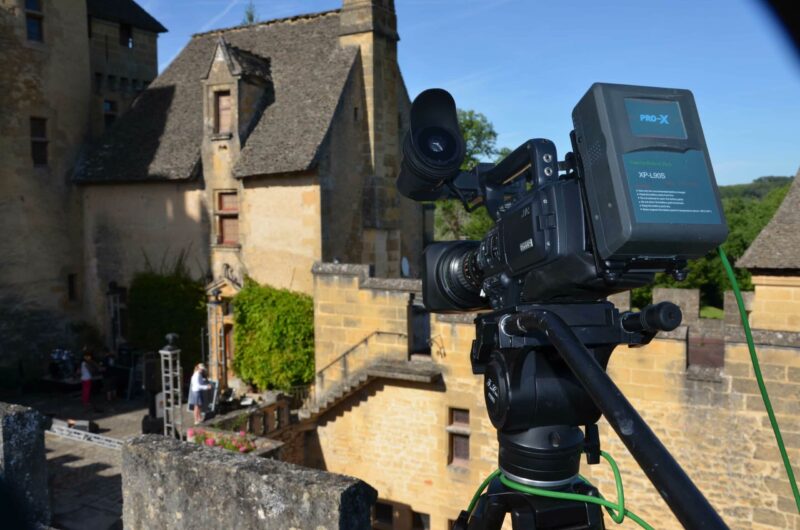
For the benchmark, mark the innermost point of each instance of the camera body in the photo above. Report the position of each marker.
(638, 196)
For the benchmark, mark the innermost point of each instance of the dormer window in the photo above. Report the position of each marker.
(222, 112)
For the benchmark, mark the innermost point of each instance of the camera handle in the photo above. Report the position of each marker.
(685, 500)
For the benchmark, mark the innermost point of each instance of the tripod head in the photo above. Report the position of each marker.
(534, 400)
(544, 374)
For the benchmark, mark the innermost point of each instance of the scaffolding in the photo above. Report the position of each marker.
(172, 386)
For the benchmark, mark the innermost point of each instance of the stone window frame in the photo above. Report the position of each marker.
(34, 12)
(221, 213)
(39, 142)
(458, 434)
(217, 131)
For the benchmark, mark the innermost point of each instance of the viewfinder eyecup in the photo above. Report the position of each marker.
(433, 148)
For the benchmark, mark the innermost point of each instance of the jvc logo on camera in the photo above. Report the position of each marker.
(661, 119)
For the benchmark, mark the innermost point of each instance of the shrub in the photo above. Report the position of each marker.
(167, 302)
(274, 336)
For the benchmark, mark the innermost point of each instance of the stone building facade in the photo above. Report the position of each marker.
(48, 67)
(261, 149)
(415, 427)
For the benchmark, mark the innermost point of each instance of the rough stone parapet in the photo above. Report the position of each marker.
(365, 278)
(732, 309)
(687, 299)
(340, 269)
(393, 284)
(457, 318)
(167, 483)
(23, 465)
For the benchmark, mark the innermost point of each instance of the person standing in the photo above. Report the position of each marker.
(196, 388)
(87, 369)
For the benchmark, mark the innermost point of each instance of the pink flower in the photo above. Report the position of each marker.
(243, 449)
(242, 433)
(210, 442)
(190, 432)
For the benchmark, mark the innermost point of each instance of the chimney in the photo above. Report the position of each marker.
(369, 16)
(372, 26)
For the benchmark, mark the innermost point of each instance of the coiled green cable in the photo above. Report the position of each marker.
(617, 510)
(757, 369)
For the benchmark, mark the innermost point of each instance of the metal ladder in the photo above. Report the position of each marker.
(171, 384)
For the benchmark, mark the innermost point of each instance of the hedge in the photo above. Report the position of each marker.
(161, 303)
(274, 336)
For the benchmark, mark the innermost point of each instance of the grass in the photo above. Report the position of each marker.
(711, 312)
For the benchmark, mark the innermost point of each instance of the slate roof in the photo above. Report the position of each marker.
(777, 247)
(125, 12)
(160, 137)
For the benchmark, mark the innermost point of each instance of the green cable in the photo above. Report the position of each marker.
(482, 487)
(757, 369)
(573, 497)
(616, 515)
(617, 510)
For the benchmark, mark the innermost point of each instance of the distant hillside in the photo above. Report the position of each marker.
(758, 189)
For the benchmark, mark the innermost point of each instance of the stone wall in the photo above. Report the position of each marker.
(777, 304)
(353, 310)
(128, 225)
(24, 499)
(397, 436)
(171, 484)
(40, 214)
(118, 73)
(280, 229)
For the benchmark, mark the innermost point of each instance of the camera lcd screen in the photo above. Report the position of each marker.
(652, 118)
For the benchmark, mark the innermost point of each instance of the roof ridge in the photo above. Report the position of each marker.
(304, 16)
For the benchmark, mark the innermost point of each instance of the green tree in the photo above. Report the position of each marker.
(250, 15)
(274, 336)
(452, 221)
(747, 214)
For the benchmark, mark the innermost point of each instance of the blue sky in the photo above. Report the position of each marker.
(525, 64)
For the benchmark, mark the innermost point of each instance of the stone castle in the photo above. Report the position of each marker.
(260, 150)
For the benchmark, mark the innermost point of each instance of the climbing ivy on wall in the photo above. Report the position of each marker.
(274, 336)
(167, 301)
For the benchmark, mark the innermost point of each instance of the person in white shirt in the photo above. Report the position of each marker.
(196, 397)
(87, 366)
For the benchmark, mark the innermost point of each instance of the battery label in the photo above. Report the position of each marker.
(671, 188)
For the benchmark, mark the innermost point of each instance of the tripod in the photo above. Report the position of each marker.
(544, 376)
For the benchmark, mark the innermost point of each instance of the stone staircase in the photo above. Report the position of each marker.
(419, 371)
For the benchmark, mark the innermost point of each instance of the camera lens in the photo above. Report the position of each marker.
(436, 145)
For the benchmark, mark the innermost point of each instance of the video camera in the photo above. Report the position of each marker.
(637, 196)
